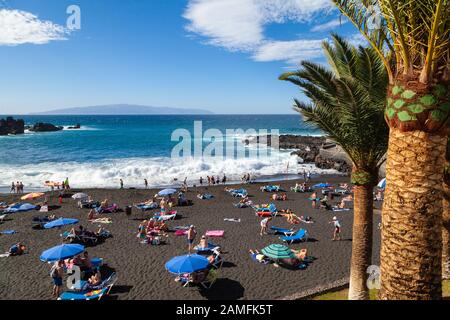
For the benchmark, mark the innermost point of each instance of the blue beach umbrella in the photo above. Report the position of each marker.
(322, 185)
(382, 184)
(166, 192)
(61, 252)
(61, 222)
(187, 264)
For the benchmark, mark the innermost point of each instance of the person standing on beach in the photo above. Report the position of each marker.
(224, 179)
(264, 225)
(121, 184)
(308, 176)
(337, 229)
(191, 233)
(201, 181)
(13, 188)
(66, 184)
(56, 273)
(146, 183)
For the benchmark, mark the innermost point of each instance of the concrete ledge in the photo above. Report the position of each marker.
(319, 290)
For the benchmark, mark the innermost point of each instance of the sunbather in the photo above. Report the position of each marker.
(203, 243)
(92, 214)
(258, 257)
(95, 279)
(17, 249)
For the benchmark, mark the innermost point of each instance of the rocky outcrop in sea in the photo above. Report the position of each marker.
(45, 127)
(11, 126)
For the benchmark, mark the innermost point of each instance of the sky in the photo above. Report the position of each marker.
(221, 55)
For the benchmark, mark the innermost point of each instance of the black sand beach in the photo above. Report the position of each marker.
(140, 267)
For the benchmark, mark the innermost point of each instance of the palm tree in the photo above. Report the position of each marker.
(412, 39)
(446, 218)
(348, 105)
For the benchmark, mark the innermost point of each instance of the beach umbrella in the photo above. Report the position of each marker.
(61, 252)
(166, 192)
(382, 184)
(278, 251)
(32, 196)
(322, 185)
(187, 264)
(61, 222)
(80, 195)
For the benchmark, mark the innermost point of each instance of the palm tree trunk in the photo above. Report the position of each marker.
(446, 233)
(411, 251)
(361, 242)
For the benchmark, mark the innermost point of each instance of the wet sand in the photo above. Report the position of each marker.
(140, 267)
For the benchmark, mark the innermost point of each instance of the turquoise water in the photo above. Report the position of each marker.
(108, 148)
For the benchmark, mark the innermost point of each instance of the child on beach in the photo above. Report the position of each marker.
(337, 229)
(264, 225)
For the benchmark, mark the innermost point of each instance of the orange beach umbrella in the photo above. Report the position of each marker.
(32, 196)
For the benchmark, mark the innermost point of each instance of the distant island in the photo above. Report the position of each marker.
(123, 109)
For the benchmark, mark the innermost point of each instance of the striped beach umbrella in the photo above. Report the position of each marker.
(278, 251)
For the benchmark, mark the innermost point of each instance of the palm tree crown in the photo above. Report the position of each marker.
(347, 103)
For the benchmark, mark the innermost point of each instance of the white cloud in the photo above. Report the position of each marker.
(238, 25)
(20, 27)
(328, 25)
(357, 39)
(290, 51)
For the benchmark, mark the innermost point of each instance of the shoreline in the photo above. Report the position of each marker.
(4, 190)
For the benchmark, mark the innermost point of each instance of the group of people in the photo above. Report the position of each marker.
(17, 187)
(211, 180)
(246, 178)
(151, 231)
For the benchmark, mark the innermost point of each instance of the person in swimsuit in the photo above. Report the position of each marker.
(191, 237)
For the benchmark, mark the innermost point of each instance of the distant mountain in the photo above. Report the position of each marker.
(122, 109)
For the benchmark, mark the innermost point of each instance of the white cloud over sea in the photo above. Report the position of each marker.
(240, 25)
(21, 27)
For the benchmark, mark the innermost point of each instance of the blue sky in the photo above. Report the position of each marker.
(220, 55)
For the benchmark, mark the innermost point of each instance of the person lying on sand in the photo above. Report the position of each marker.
(258, 257)
(17, 249)
(104, 204)
(301, 254)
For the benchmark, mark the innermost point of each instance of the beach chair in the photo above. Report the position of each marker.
(300, 235)
(147, 207)
(84, 286)
(166, 217)
(211, 246)
(91, 295)
(211, 278)
(286, 232)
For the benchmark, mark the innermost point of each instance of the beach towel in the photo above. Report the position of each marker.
(205, 196)
(339, 210)
(215, 233)
(5, 255)
(232, 220)
(101, 220)
(8, 232)
(180, 233)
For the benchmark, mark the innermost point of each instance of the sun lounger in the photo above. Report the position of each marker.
(146, 207)
(84, 238)
(300, 235)
(166, 217)
(91, 295)
(39, 222)
(272, 188)
(232, 220)
(84, 286)
(111, 209)
(211, 246)
(8, 232)
(286, 232)
(340, 209)
(211, 278)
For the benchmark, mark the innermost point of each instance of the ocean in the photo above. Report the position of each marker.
(109, 148)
